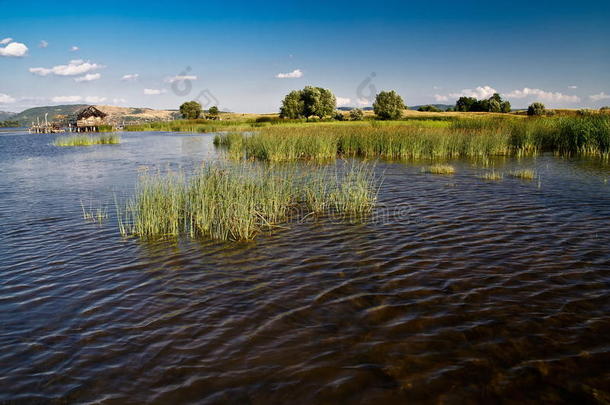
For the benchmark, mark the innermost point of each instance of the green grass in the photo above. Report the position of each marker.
(240, 201)
(439, 169)
(524, 174)
(87, 140)
(468, 137)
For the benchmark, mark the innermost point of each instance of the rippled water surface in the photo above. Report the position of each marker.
(460, 290)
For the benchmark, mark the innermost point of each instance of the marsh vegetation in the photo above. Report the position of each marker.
(87, 140)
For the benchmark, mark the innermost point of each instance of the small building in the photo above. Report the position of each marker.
(88, 119)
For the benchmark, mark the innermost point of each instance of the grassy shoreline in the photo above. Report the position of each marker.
(471, 138)
(87, 140)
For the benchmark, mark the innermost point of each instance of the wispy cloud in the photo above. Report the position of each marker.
(6, 99)
(343, 101)
(295, 74)
(180, 78)
(599, 96)
(13, 49)
(543, 95)
(153, 92)
(73, 68)
(479, 92)
(66, 99)
(95, 99)
(74, 48)
(572, 87)
(43, 44)
(78, 99)
(118, 101)
(88, 77)
(130, 77)
(362, 102)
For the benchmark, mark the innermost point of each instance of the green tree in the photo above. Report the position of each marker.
(318, 102)
(505, 106)
(536, 109)
(292, 105)
(494, 105)
(465, 104)
(190, 110)
(356, 114)
(389, 105)
(429, 108)
(309, 102)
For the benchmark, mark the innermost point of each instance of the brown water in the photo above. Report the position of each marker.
(459, 290)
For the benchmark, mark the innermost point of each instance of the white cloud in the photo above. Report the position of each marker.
(73, 68)
(440, 97)
(74, 49)
(43, 44)
(180, 78)
(600, 96)
(77, 99)
(572, 87)
(362, 102)
(6, 99)
(118, 101)
(130, 77)
(479, 93)
(343, 101)
(153, 92)
(14, 49)
(543, 95)
(66, 99)
(88, 77)
(95, 99)
(6, 41)
(295, 74)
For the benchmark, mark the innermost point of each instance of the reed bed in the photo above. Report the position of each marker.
(87, 140)
(237, 202)
(470, 138)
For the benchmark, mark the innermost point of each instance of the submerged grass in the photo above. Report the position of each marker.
(471, 138)
(525, 174)
(492, 176)
(87, 140)
(239, 202)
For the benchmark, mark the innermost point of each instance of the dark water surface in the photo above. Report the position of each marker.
(461, 291)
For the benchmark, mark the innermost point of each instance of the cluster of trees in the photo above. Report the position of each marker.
(492, 104)
(309, 102)
(191, 110)
(321, 103)
(9, 124)
(429, 108)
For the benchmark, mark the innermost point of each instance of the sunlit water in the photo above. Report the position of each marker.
(458, 290)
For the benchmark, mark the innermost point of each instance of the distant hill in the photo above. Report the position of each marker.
(30, 115)
(5, 115)
(116, 115)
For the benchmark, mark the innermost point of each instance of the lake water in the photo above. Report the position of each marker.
(458, 290)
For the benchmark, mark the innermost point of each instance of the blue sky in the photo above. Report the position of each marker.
(231, 53)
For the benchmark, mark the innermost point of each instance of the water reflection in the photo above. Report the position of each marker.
(469, 291)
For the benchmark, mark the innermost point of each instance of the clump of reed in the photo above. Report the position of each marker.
(492, 176)
(439, 169)
(240, 201)
(524, 174)
(87, 140)
(96, 215)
